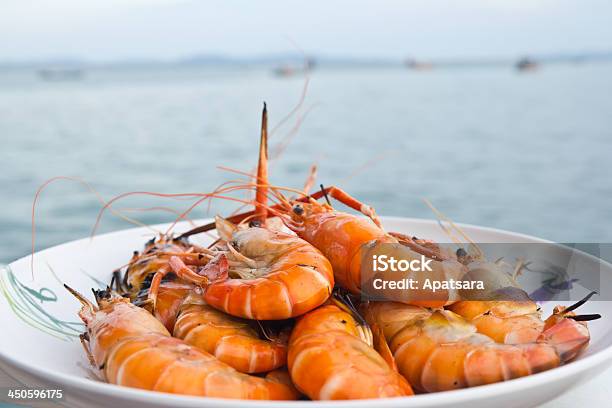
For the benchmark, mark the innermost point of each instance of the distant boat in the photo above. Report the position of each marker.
(60, 74)
(526, 64)
(288, 70)
(419, 65)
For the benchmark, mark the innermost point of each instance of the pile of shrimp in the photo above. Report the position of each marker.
(271, 310)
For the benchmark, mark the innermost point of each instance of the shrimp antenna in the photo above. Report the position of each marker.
(235, 218)
(300, 102)
(265, 331)
(312, 176)
(284, 143)
(444, 218)
(92, 190)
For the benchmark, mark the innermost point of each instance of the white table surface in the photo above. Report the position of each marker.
(593, 394)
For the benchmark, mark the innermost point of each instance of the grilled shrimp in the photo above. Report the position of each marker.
(146, 269)
(503, 311)
(328, 359)
(134, 349)
(512, 321)
(264, 274)
(439, 350)
(230, 339)
(143, 265)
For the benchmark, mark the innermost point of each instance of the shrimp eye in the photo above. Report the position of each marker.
(254, 223)
(298, 209)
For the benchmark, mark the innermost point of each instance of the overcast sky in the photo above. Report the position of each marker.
(117, 29)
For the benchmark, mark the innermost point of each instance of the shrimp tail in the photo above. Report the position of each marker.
(568, 336)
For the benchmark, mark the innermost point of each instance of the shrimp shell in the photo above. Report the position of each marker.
(285, 277)
(439, 350)
(328, 361)
(134, 349)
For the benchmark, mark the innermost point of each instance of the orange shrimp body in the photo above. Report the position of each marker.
(439, 350)
(341, 236)
(345, 239)
(230, 339)
(273, 276)
(513, 319)
(509, 322)
(134, 349)
(327, 360)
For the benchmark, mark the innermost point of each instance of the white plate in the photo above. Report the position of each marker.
(37, 358)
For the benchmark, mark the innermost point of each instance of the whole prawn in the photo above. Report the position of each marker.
(329, 359)
(266, 275)
(503, 311)
(506, 314)
(438, 350)
(134, 349)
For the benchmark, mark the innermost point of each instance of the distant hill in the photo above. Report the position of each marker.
(296, 59)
